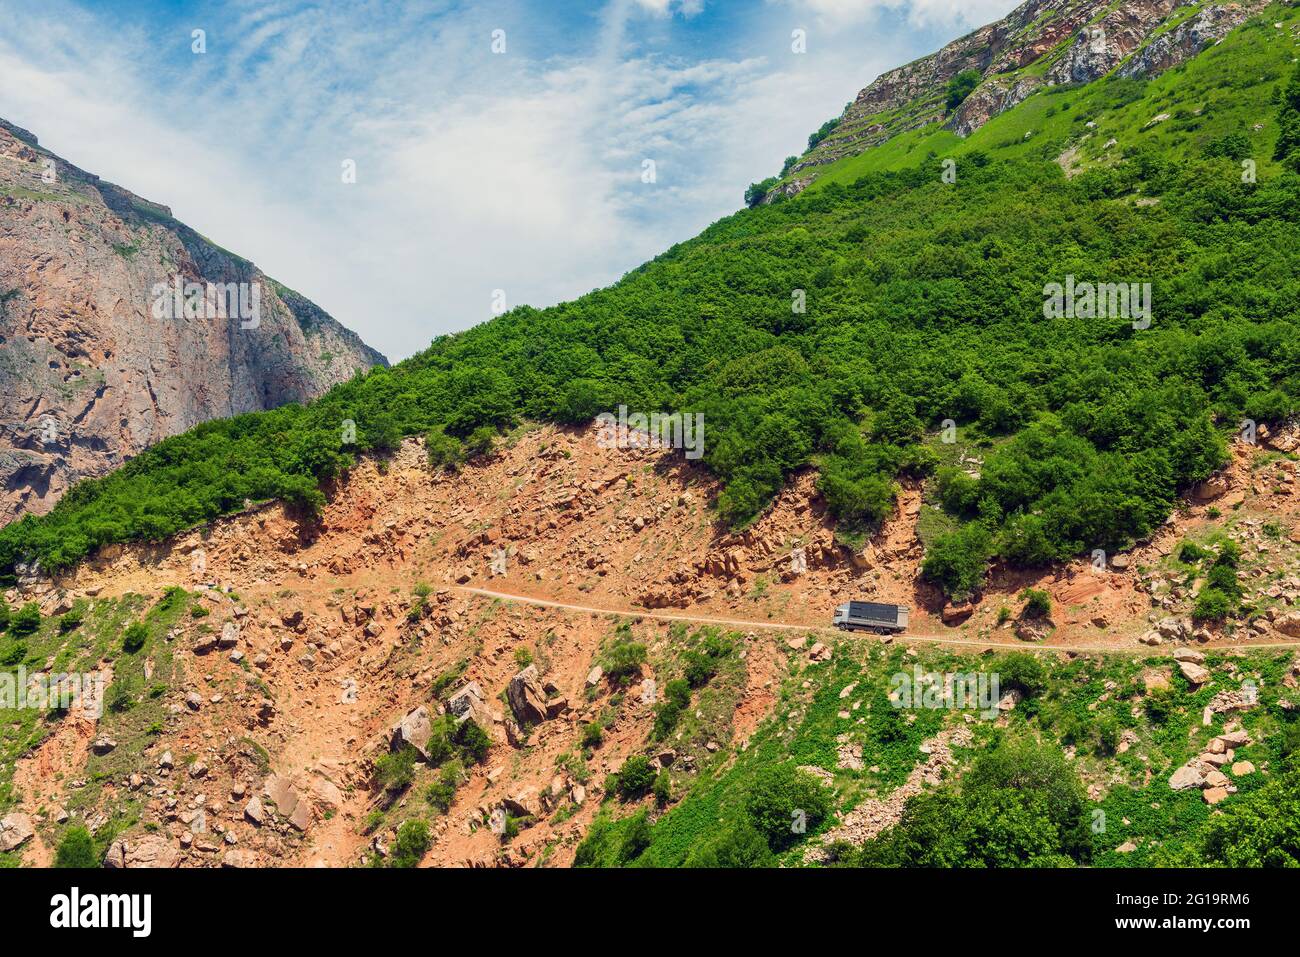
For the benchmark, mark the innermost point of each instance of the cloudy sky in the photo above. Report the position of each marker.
(498, 144)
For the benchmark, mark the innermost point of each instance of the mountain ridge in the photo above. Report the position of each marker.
(91, 375)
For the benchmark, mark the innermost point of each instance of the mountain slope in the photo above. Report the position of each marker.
(90, 374)
(1039, 45)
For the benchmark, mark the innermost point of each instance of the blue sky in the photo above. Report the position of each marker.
(475, 171)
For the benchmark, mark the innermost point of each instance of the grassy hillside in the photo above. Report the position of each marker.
(922, 301)
(1077, 773)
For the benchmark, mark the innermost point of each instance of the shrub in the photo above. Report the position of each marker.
(1211, 605)
(623, 659)
(72, 620)
(1189, 553)
(481, 441)
(523, 657)
(13, 652)
(395, 770)
(444, 451)
(961, 86)
(26, 620)
(784, 803)
(134, 637)
(592, 735)
(663, 788)
(740, 846)
(1021, 671)
(76, 849)
(1038, 604)
(955, 561)
(442, 791)
(611, 843)
(5, 615)
(473, 742)
(411, 845)
(633, 779)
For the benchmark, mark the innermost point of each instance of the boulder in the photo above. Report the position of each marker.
(956, 613)
(152, 851)
(1214, 795)
(1194, 673)
(1289, 624)
(1187, 654)
(1188, 776)
(526, 696)
(594, 676)
(413, 730)
(15, 831)
(1242, 768)
(254, 811)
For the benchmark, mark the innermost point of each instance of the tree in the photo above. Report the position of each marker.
(784, 803)
(956, 561)
(411, 845)
(961, 86)
(134, 637)
(1288, 141)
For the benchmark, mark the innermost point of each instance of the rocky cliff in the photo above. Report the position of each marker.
(1040, 43)
(120, 326)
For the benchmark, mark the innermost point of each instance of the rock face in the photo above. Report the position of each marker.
(15, 831)
(89, 376)
(1086, 39)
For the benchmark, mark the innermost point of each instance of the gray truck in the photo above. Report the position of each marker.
(871, 616)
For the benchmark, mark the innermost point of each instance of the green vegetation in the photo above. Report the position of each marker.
(76, 849)
(959, 87)
(412, 843)
(1097, 425)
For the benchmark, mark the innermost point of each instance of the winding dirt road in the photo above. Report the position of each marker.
(973, 644)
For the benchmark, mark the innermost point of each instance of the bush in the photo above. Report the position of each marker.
(442, 792)
(956, 561)
(72, 620)
(623, 659)
(1021, 671)
(411, 845)
(481, 441)
(784, 803)
(1212, 605)
(663, 788)
(632, 780)
(1038, 604)
(592, 735)
(677, 698)
(5, 615)
(76, 849)
(474, 743)
(26, 620)
(134, 637)
(961, 86)
(611, 843)
(740, 846)
(444, 451)
(13, 652)
(1189, 553)
(395, 770)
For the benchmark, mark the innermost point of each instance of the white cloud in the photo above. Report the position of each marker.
(920, 13)
(475, 172)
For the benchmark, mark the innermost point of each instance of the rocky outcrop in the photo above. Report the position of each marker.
(96, 364)
(1068, 41)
